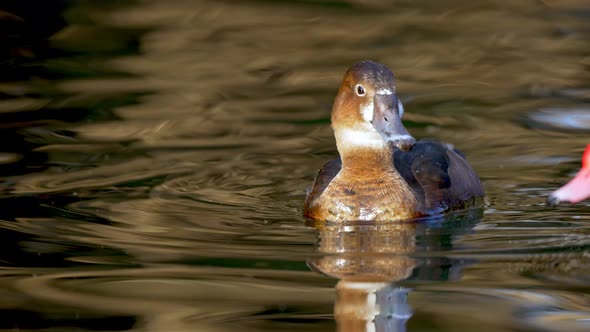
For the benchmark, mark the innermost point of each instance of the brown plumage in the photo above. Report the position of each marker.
(382, 173)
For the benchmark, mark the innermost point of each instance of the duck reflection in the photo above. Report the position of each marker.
(369, 258)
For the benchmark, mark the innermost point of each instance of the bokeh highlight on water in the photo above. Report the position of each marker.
(156, 156)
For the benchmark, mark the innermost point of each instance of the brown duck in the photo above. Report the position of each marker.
(382, 172)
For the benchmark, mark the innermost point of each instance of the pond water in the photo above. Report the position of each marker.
(156, 154)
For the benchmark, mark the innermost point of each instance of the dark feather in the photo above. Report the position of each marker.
(325, 176)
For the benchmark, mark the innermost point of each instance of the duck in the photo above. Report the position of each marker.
(578, 188)
(383, 173)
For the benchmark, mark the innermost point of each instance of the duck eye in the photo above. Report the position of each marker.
(360, 90)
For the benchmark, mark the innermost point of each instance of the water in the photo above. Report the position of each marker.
(156, 154)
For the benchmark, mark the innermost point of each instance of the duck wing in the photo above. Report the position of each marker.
(439, 175)
(322, 180)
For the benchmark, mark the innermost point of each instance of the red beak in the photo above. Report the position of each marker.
(578, 189)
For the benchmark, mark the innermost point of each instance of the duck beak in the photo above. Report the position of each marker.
(388, 123)
(574, 191)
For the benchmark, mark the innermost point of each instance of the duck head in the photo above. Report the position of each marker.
(367, 112)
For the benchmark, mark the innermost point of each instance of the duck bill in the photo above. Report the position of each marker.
(388, 123)
(578, 189)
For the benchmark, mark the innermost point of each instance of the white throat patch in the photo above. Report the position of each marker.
(355, 138)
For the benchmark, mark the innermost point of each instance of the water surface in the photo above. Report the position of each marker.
(156, 156)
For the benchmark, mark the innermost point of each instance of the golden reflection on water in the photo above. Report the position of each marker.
(371, 253)
(368, 260)
(177, 298)
(176, 138)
